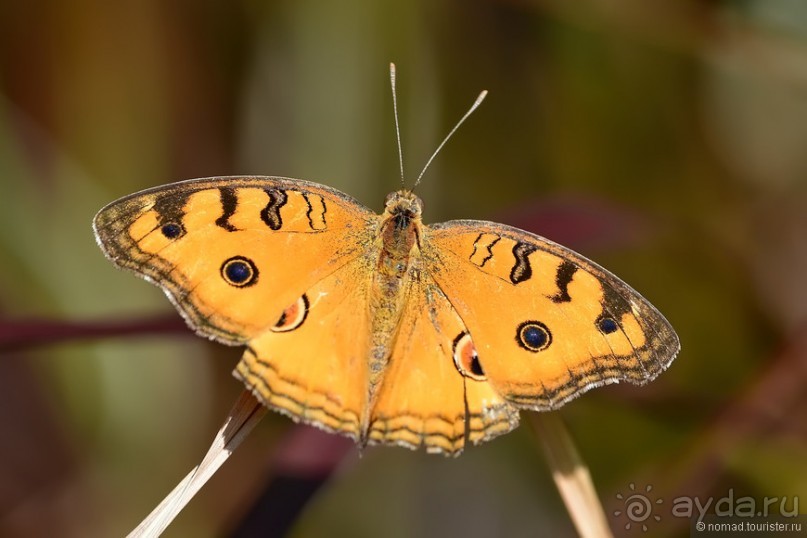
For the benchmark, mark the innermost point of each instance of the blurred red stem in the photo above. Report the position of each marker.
(22, 334)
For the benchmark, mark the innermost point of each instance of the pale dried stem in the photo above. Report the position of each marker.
(244, 415)
(571, 476)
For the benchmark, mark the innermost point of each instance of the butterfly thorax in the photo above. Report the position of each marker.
(400, 232)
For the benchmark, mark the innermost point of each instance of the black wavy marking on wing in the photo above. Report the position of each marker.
(522, 270)
(270, 214)
(311, 210)
(229, 205)
(476, 245)
(350, 418)
(381, 428)
(383, 431)
(563, 277)
(489, 248)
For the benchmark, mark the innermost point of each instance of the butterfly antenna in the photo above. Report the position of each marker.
(457, 126)
(397, 125)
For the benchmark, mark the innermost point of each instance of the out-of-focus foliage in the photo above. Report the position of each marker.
(667, 140)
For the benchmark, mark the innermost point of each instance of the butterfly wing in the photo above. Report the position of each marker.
(430, 395)
(232, 253)
(547, 323)
(312, 365)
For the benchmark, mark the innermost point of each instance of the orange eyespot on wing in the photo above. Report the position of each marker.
(293, 316)
(465, 358)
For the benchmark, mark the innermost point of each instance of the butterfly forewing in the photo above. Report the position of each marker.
(548, 324)
(233, 253)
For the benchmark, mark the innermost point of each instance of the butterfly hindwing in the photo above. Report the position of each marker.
(431, 395)
(547, 323)
(220, 247)
(311, 365)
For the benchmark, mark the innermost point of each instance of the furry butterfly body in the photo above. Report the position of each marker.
(377, 326)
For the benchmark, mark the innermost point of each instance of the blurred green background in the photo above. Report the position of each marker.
(666, 140)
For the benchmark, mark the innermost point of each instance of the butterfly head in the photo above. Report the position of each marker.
(403, 207)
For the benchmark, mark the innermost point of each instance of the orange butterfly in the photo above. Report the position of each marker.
(377, 326)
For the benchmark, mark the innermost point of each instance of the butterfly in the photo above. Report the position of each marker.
(377, 326)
